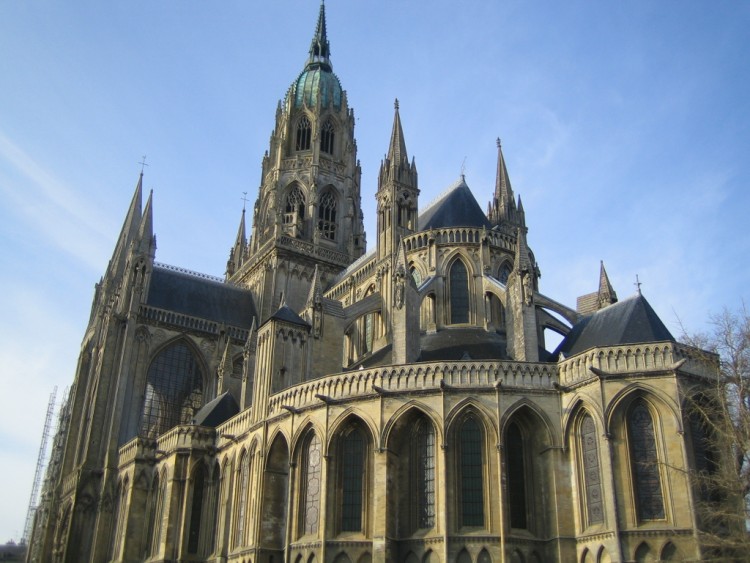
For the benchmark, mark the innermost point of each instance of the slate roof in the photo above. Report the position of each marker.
(215, 412)
(628, 322)
(200, 297)
(288, 316)
(456, 207)
(463, 343)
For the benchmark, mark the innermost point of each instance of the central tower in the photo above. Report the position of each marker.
(308, 209)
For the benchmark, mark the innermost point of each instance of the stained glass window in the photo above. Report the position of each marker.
(241, 514)
(312, 486)
(174, 390)
(516, 467)
(472, 492)
(196, 510)
(327, 216)
(352, 461)
(327, 134)
(591, 473)
(504, 273)
(645, 462)
(304, 133)
(459, 291)
(424, 474)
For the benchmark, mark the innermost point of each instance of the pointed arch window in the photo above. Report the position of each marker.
(353, 450)
(311, 483)
(423, 473)
(160, 507)
(470, 439)
(459, 293)
(592, 482)
(238, 366)
(327, 135)
(644, 462)
(174, 390)
(294, 212)
(504, 273)
(516, 460)
(304, 134)
(241, 510)
(327, 216)
(196, 509)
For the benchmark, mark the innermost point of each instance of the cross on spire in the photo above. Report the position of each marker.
(143, 163)
(244, 200)
(637, 284)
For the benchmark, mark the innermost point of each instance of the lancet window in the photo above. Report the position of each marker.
(242, 492)
(459, 293)
(304, 134)
(327, 216)
(470, 439)
(353, 451)
(311, 483)
(423, 468)
(327, 135)
(591, 473)
(644, 462)
(196, 510)
(174, 390)
(516, 468)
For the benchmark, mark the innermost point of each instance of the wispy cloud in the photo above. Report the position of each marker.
(58, 213)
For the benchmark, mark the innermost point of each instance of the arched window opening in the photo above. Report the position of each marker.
(459, 293)
(304, 134)
(484, 557)
(174, 390)
(644, 462)
(311, 484)
(327, 135)
(423, 473)
(151, 503)
(416, 275)
(238, 366)
(516, 467)
(589, 445)
(470, 438)
(353, 450)
(273, 516)
(327, 216)
(643, 554)
(242, 493)
(161, 506)
(294, 212)
(504, 273)
(120, 516)
(196, 509)
(463, 557)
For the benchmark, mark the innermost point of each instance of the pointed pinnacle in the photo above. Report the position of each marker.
(397, 149)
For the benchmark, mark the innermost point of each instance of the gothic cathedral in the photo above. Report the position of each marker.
(326, 403)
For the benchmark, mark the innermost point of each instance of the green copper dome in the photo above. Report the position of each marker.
(316, 83)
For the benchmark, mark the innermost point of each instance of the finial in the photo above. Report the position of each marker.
(395, 104)
(499, 143)
(463, 168)
(244, 200)
(637, 284)
(143, 163)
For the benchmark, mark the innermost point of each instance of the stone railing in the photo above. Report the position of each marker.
(638, 358)
(234, 427)
(459, 235)
(136, 448)
(185, 436)
(197, 324)
(414, 377)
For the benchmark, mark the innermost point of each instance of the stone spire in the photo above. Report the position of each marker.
(320, 50)
(128, 233)
(606, 294)
(237, 252)
(146, 238)
(398, 192)
(503, 208)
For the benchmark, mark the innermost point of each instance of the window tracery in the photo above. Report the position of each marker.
(312, 485)
(591, 473)
(241, 511)
(304, 134)
(516, 461)
(327, 136)
(327, 216)
(644, 462)
(470, 460)
(174, 390)
(352, 484)
(459, 293)
(423, 454)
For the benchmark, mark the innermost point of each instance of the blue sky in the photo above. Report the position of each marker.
(625, 127)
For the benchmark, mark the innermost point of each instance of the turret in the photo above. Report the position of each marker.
(397, 194)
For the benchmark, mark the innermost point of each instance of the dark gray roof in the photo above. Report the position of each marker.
(215, 412)
(456, 207)
(457, 343)
(628, 322)
(288, 316)
(200, 297)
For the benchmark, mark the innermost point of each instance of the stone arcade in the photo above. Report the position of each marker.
(323, 403)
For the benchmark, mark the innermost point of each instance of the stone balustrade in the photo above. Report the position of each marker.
(638, 358)
(186, 436)
(196, 324)
(414, 377)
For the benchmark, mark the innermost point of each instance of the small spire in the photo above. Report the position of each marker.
(521, 261)
(397, 149)
(320, 50)
(225, 366)
(146, 228)
(315, 292)
(606, 292)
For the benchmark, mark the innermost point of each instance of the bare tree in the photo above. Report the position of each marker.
(718, 421)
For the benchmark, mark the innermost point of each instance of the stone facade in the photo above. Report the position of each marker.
(322, 403)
